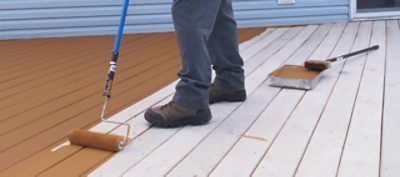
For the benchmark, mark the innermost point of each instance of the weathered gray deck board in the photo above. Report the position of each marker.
(347, 126)
(390, 158)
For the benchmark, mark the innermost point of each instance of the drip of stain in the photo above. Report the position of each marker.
(255, 138)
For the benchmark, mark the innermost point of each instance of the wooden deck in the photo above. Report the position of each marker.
(348, 126)
(49, 86)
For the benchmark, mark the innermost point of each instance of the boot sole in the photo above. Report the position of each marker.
(201, 118)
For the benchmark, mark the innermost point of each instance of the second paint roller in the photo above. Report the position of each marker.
(320, 65)
(306, 77)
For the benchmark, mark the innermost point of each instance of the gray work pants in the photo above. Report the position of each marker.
(206, 35)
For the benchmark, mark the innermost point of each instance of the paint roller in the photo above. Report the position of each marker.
(320, 65)
(98, 140)
(306, 77)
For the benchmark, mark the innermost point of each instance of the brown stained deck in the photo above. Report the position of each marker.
(48, 86)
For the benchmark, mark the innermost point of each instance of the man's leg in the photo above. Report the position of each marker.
(194, 21)
(226, 60)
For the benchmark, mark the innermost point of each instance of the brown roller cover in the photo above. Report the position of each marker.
(96, 140)
(317, 65)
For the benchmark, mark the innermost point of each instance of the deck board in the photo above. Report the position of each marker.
(390, 154)
(339, 45)
(346, 90)
(79, 68)
(347, 126)
(362, 148)
(118, 166)
(56, 104)
(48, 56)
(41, 103)
(68, 82)
(249, 149)
(317, 134)
(296, 127)
(269, 124)
(213, 148)
(319, 148)
(145, 141)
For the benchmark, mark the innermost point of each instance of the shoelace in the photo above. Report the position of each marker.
(166, 105)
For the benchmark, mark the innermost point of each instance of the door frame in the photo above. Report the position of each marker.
(371, 15)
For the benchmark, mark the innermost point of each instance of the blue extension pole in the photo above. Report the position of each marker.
(113, 63)
(121, 26)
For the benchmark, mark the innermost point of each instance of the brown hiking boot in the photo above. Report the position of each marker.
(220, 95)
(173, 115)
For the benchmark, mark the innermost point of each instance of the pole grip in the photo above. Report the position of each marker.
(375, 47)
(111, 73)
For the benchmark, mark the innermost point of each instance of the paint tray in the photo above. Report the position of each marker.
(294, 76)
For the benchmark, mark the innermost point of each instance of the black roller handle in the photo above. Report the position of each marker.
(375, 47)
(111, 73)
